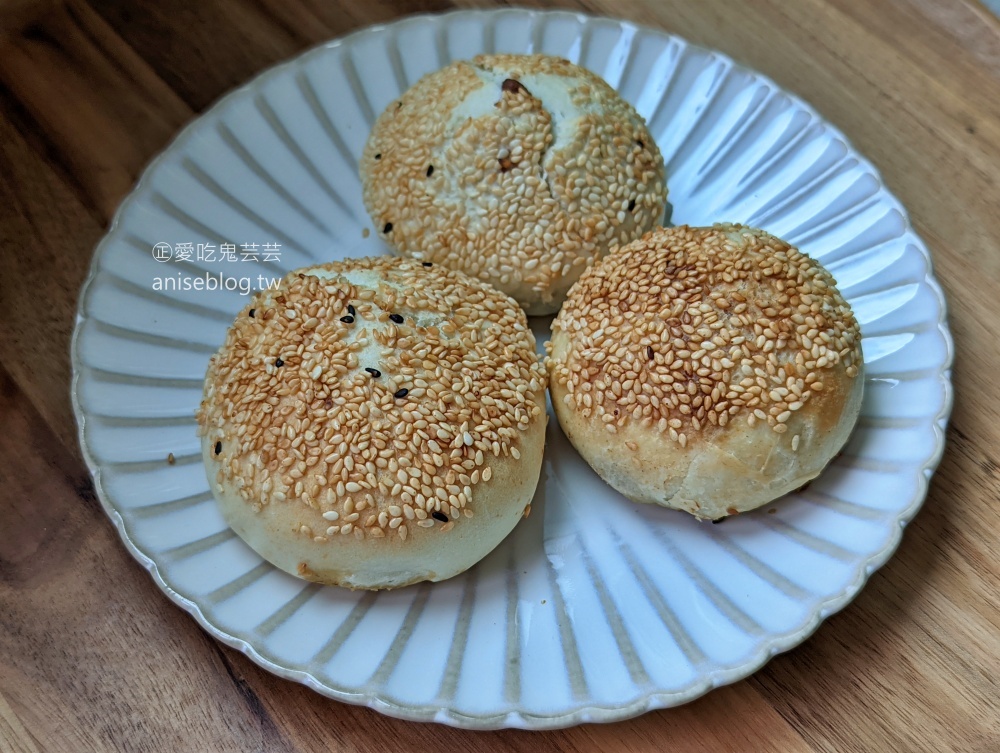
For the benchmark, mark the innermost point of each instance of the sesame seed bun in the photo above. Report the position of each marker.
(520, 170)
(375, 422)
(709, 370)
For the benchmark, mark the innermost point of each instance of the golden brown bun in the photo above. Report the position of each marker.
(375, 422)
(709, 370)
(516, 169)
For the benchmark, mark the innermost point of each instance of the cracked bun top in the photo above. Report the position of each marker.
(519, 170)
(707, 369)
(375, 422)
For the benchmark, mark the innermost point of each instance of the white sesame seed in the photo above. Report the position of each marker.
(362, 438)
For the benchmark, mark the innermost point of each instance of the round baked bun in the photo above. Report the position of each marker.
(709, 370)
(375, 422)
(520, 170)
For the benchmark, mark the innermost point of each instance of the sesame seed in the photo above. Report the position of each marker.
(631, 205)
(396, 318)
(712, 351)
(426, 264)
(218, 448)
(512, 85)
(252, 313)
(568, 218)
(344, 448)
(439, 516)
(378, 156)
(430, 170)
(387, 228)
(347, 319)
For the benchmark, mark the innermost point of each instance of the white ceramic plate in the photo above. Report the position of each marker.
(594, 609)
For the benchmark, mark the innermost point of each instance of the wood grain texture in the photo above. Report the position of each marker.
(94, 658)
(14, 737)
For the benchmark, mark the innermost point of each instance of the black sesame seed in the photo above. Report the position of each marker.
(641, 143)
(401, 393)
(374, 372)
(279, 363)
(387, 228)
(512, 85)
(218, 448)
(396, 318)
(439, 516)
(347, 319)
(378, 156)
(631, 205)
(351, 311)
(430, 170)
(425, 264)
(649, 352)
(252, 312)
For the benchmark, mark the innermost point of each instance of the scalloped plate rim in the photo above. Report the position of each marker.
(651, 700)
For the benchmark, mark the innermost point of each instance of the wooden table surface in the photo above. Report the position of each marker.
(94, 658)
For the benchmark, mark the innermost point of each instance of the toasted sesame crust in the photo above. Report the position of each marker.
(322, 404)
(687, 332)
(516, 169)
